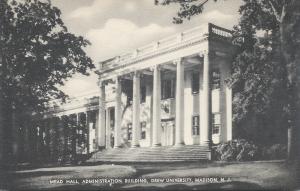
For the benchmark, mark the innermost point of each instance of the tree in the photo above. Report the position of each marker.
(37, 54)
(188, 8)
(264, 71)
(274, 104)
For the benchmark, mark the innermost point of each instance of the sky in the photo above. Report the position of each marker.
(118, 26)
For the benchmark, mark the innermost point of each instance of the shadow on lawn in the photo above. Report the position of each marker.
(40, 174)
(13, 180)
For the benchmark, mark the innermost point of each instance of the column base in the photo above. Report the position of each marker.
(135, 146)
(179, 144)
(101, 147)
(156, 145)
(205, 143)
(117, 147)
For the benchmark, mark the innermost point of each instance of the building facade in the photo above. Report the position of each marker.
(172, 92)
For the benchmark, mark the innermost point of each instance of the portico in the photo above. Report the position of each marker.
(169, 96)
(162, 108)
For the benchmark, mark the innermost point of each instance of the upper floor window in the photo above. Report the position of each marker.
(216, 82)
(129, 131)
(143, 94)
(127, 89)
(216, 123)
(168, 89)
(195, 82)
(195, 125)
(92, 119)
(143, 130)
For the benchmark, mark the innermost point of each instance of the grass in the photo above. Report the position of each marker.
(245, 175)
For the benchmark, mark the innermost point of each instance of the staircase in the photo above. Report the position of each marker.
(149, 154)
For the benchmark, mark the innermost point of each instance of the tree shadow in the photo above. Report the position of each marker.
(40, 173)
(14, 180)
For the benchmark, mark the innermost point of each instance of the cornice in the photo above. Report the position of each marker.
(157, 53)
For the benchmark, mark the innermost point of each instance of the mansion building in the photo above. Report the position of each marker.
(170, 93)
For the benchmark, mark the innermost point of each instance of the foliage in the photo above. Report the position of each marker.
(37, 54)
(276, 151)
(188, 8)
(243, 150)
(264, 79)
(235, 150)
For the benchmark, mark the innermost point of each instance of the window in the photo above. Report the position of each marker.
(129, 99)
(216, 123)
(94, 144)
(92, 119)
(195, 82)
(195, 125)
(168, 89)
(216, 79)
(129, 131)
(127, 88)
(143, 130)
(143, 94)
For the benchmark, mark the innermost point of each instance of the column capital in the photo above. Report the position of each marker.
(202, 53)
(158, 67)
(178, 60)
(137, 73)
(206, 53)
(100, 83)
(117, 79)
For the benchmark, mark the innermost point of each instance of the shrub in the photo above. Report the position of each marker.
(235, 150)
(276, 151)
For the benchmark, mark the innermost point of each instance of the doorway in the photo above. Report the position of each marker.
(167, 138)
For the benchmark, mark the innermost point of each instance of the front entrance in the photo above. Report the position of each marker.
(168, 133)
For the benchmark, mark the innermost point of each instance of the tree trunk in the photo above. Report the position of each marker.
(291, 94)
(7, 119)
(1, 129)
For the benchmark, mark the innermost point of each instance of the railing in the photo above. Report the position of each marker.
(83, 100)
(167, 42)
(192, 34)
(219, 31)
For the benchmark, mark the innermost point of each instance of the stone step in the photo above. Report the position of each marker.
(153, 156)
(151, 153)
(148, 154)
(145, 153)
(148, 158)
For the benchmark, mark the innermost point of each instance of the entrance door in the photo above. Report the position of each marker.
(167, 133)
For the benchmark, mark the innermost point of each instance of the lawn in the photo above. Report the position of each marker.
(246, 175)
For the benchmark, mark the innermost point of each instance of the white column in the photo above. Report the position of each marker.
(101, 117)
(179, 132)
(118, 113)
(156, 123)
(136, 110)
(205, 116)
(229, 113)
